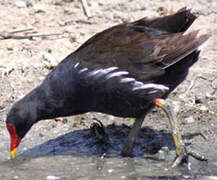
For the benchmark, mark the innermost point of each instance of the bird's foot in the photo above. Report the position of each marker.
(182, 153)
(97, 129)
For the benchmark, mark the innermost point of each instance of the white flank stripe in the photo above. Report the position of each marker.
(137, 83)
(152, 92)
(119, 73)
(82, 70)
(108, 70)
(151, 86)
(76, 65)
(92, 73)
(127, 80)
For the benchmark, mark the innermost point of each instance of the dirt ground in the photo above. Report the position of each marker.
(59, 27)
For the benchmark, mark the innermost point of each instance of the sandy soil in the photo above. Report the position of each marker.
(63, 27)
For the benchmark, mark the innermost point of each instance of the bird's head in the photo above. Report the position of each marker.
(19, 121)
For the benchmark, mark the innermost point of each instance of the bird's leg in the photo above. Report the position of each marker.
(129, 142)
(182, 154)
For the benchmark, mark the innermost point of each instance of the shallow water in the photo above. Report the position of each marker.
(84, 167)
(79, 155)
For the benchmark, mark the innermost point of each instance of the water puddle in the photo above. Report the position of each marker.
(79, 155)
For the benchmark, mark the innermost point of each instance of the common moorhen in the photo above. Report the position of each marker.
(123, 71)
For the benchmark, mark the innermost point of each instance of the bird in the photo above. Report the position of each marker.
(124, 71)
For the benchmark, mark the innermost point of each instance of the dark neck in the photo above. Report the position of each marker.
(49, 104)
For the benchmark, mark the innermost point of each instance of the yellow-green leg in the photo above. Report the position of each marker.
(182, 153)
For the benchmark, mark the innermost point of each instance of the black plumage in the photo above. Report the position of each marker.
(119, 71)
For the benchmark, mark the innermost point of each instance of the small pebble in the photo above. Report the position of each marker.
(9, 69)
(40, 8)
(52, 177)
(110, 170)
(41, 135)
(20, 4)
(65, 121)
(189, 120)
(198, 100)
(203, 108)
(49, 62)
(208, 95)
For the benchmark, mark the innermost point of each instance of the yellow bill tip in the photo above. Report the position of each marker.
(13, 153)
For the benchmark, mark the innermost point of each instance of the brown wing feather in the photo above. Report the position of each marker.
(178, 46)
(136, 48)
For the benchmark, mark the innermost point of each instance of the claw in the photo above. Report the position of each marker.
(184, 157)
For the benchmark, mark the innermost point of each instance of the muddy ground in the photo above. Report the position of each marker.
(66, 149)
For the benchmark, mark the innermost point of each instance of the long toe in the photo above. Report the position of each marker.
(184, 155)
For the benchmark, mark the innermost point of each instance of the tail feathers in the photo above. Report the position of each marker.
(178, 22)
(180, 47)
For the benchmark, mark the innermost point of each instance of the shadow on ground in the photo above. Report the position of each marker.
(85, 142)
